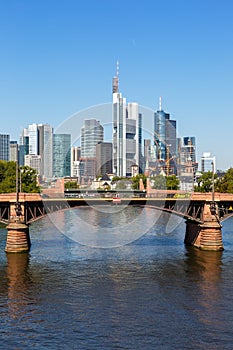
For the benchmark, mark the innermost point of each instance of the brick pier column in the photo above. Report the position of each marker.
(18, 239)
(208, 235)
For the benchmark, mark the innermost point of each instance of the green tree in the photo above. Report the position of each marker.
(225, 183)
(204, 182)
(159, 182)
(172, 182)
(136, 181)
(29, 180)
(26, 175)
(71, 184)
(121, 184)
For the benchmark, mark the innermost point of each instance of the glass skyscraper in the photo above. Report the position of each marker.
(91, 134)
(127, 133)
(165, 139)
(37, 140)
(4, 147)
(208, 162)
(45, 149)
(61, 155)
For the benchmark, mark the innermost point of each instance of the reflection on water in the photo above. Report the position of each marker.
(18, 280)
(105, 226)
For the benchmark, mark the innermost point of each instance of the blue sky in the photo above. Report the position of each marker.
(58, 57)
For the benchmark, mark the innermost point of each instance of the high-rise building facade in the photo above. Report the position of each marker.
(45, 149)
(127, 133)
(165, 139)
(103, 158)
(23, 149)
(37, 139)
(75, 161)
(4, 147)
(33, 161)
(92, 133)
(61, 155)
(14, 154)
(187, 165)
(208, 162)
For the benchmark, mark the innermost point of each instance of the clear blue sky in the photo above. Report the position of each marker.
(59, 56)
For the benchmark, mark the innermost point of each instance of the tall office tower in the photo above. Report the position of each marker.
(45, 149)
(165, 138)
(87, 169)
(75, 153)
(23, 149)
(91, 133)
(127, 133)
(4, 147)
(147, 149)
(37, 139)
(32, 132)
(104, 158)
(164, 134)
(33, 161)
(75, 161)
(189, 148)
(187, 163)
(14, 151)
(208, 162)
(61, 155)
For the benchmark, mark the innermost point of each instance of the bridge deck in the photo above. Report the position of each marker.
(35, 206)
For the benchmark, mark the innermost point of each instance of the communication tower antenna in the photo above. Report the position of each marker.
(160, 103)
(117, 69)
(115, 80)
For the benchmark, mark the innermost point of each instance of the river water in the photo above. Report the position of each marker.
(151, 293)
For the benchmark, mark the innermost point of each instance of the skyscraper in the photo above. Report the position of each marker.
(33, 161)
(14, 156)
(4, 147)
(61, 155)
(23, 149)
(45, 149)
(208, 162)
(75, 161)
(187, 165)
(165, 139)
(104, 158)
(37, 139)
(127, 133)
(91, 133)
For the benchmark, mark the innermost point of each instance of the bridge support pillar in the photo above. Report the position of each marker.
(18, 239)
(207, 235)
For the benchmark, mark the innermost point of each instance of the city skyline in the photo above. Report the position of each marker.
(59, 58)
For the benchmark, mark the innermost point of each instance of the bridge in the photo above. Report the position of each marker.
(202, 212)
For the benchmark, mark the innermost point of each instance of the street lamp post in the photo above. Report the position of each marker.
(20, 179)
(18, 209)
(18, 239)
(212, 204)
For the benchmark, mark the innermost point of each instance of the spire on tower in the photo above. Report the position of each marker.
(160, 103)
(117, 69)
(115, 81)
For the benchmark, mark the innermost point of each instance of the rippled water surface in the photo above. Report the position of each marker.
(152, 293)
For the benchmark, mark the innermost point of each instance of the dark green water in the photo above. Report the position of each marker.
(152, 293)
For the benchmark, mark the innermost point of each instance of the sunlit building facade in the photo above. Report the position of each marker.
(61, 155)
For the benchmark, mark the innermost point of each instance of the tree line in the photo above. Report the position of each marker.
(27, 178)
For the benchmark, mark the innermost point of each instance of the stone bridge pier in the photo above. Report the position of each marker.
(208, 234)
(18, 238)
